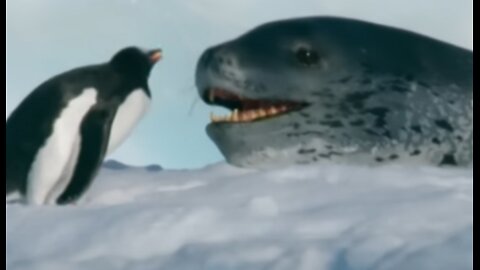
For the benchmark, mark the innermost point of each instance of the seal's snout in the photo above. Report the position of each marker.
(216, 65)
(224, 57)
(202, 71)
(218, 57)
(206, 58)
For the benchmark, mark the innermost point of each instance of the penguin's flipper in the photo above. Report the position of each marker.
(95, 132)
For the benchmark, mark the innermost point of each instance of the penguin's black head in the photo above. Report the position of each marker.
(135, 62)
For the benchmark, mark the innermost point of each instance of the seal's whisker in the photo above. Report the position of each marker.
(192, 106)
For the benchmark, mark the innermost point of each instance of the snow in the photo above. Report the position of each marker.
(309, 217)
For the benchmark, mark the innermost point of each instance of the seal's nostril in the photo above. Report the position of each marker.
(224, 55)
(224, 60)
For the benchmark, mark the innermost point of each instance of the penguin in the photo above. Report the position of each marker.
(59, 135)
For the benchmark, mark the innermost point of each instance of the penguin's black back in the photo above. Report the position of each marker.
(31, 123)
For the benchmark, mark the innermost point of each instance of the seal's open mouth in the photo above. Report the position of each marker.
(247, 110)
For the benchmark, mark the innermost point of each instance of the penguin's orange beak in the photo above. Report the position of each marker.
(155, 56)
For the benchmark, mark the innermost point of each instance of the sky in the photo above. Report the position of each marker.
(47, 37)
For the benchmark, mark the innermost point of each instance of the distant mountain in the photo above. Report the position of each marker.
(154, 168)
(112, 164)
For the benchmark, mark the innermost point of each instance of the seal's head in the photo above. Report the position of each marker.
(316, 89)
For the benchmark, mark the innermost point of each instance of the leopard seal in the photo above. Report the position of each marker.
(328, 89)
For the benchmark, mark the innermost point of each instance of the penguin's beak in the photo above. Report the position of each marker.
(155, 55)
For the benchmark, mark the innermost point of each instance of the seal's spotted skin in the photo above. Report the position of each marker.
(330, 89)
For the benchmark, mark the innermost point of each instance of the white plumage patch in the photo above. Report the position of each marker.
(67, 174)
(54, 159)
(128, 115)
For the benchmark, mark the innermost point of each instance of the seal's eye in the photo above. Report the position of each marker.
(307, 56)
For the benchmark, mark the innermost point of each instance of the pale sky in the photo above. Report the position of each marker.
(47, 37)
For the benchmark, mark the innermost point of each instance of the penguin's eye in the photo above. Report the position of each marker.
(307, 57)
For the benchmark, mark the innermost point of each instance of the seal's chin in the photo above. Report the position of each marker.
(246, 110)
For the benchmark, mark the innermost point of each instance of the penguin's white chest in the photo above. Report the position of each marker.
(129, 113)
(55, 161)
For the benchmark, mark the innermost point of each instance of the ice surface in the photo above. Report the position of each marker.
(220, 217)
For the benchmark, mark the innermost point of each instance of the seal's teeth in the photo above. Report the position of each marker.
(235, 117)
(244, 117)
(211, 96)
(262, 112)
(231, 118)
(272, 111)
(216, 119)
(250, 115)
